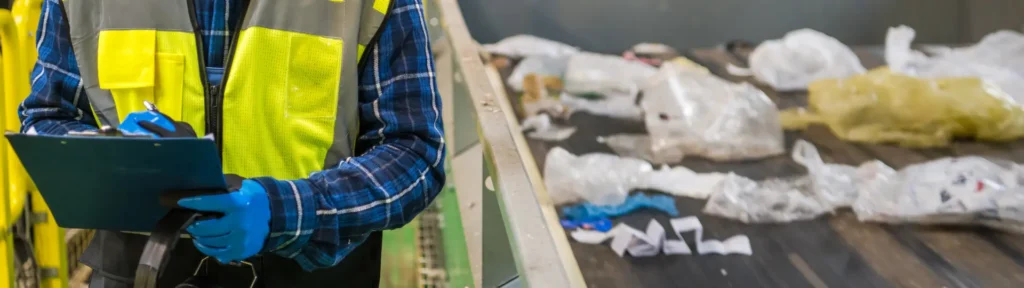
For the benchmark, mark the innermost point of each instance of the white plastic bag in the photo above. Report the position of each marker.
(998, 59)
(639, 146)
(529, 45)
(615, 107)
(824, 189)
(605, 75)
(601, 179)
(541, 128)
(540, 65)
(801, 57)
(681, 181)
(605, 179)
(701, 114)
(964, 190)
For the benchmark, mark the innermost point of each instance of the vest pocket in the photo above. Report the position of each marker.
(314, 72)
(131, 69)
(165, 92)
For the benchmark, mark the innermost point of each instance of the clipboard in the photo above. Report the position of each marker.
(115, 183)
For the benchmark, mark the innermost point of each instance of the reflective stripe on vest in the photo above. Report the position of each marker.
(290, 100)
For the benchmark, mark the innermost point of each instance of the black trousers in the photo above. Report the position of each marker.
(114, 256)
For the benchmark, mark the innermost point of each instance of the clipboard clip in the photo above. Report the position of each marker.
(109, 131)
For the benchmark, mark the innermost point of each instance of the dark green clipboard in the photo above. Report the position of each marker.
(115, 183)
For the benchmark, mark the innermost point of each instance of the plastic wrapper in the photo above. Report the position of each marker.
(772, 200)
(965, 190)
(601, 179)
(615, 107)
(799, 58)
(824, 189)
(998, 58)
(700, 114)
(605, 179)
(639, 146)
(529, 45)
(885, 107)
(605, 75)
(651, 53)
(537, 65)
(540, 127)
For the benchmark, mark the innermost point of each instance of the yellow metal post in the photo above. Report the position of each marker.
(7, 272)
(26, 18)
(12, 202)
(49, 245)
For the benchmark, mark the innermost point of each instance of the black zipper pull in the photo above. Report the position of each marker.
(215, 91)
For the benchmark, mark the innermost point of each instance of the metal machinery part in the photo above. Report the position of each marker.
(483, 135)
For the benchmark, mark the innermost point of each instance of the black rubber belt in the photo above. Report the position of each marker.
(160, 246)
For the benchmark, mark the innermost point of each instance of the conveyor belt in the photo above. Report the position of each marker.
(833, 251)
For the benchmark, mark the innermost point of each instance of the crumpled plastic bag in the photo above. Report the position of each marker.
(601, 179)
(963, 190)
(639, 146)
(885, 107)
(799, 58)
(700, 114)
(615, 107)
(529, 45)
(605, 179)
(537, 65)
(651, 53)
(540, 127)
(824, 189)
(998, 58)
(605, 75)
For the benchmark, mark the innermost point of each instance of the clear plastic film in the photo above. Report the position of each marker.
(605, 179)
(614, 107)
(540, 127)
(824, 189)
(606, 76)
(529, 45)
(538, 65)
(965, 190)
(639, 146)
(885, 107)
(601, 179)
(998, 58)
(690, 112)
(799, 58)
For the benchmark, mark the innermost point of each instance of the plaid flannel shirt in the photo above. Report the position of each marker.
(320, 219)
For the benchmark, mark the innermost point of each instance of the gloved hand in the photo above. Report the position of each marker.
(240, 233)
(156, 124)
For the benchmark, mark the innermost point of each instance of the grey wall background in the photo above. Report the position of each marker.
(613, 25)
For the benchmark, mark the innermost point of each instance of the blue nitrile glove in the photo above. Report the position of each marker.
(156, 124)
(240, 233)
(662, 203)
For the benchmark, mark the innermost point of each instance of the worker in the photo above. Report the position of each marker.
(328, 109)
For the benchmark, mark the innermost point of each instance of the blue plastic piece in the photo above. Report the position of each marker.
(240, 233)
(663, 203)
(600, 224)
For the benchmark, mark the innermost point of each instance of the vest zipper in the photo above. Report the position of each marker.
(218, 90)
(201, 55)
(214, 92)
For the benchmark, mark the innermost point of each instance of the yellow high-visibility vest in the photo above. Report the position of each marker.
(288, 102)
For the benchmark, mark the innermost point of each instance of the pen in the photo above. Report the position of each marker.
(149, 106)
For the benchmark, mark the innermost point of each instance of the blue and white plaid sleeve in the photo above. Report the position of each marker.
(57, 102)
(317, 221)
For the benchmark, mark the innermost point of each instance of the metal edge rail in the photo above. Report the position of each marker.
(539, 257)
